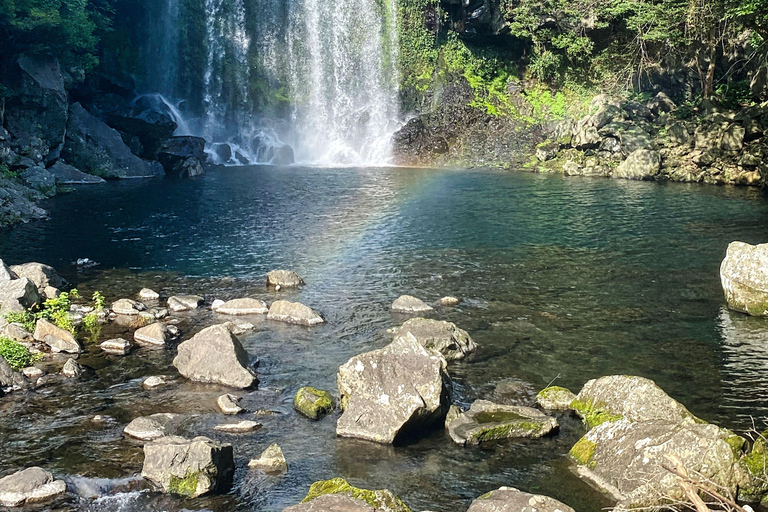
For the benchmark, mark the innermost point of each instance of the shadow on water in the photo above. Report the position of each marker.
(560, 279)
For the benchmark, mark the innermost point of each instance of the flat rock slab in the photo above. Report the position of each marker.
(410, 304)
(487, 421)
(184, 302)
(60, 340)
(189, 467)
(228, 404)
(244, 306)
(453, 343)
(215, 356)
(294, 313)
(28, 486)
(149, 428)
(284, 279)
(744, 277)
(394, 391)
(153, 334)
(117, 346)
(508, 499)
(127, 307)
(271, 461)
(240, 427)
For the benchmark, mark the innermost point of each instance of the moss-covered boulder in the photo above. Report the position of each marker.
(754, 470)
(744, 276)
(189, 467)
(555, 398)
(626, 459)
(628, 397)
(509, 499)
(380, 501)
(487, 421)
(313, 403)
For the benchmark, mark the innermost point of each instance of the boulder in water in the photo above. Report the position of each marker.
(444, 337)
(223, 152)
(65, 174)
(294, 313)
(189, 467)
(127, 307)
(228, 404)
(72, 369)
(744, 277)
(28, 486)
(313, 403)
(244, 306)
(392, 392)
(410, 304)
(332, 503)
(149, 428)
(184, 302)
(271, 461)
(240, 427)
(117, 346)
(60, 340)
(214, 355)
(509, 499)
(555, 398)
(356, 500)
(487, 421)
(284, 279)
(180, 155)
(153, 334)
(152, 125)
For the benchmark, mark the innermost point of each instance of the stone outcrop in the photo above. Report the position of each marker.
(65, 174)
(29, 486)
(216, 356)
(487, 421)
(294, 313)
(744, 277)
(444, 337)
(41, 275)
(509, 499)
(189, 467)
(399, 390)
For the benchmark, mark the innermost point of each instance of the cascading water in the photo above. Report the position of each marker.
(318, 76)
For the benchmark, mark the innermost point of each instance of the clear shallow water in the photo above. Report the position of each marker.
(560, 278)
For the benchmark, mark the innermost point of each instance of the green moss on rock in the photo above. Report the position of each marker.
(583, 451)
(593, 413)
(186, 486)
(382, 500)
(313, 403)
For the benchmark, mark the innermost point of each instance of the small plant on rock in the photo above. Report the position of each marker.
(17, 355)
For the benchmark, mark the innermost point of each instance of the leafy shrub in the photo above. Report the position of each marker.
(16, 354)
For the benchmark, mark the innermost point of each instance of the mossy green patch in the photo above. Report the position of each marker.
(313, 403)
(593, 413)
(736, 443)
(382, 500)
(186, 486)
(583, 451)
(16, 354)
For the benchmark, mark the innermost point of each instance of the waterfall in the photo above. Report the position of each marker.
(321, 77)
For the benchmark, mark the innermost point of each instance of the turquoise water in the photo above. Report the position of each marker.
(560, 279)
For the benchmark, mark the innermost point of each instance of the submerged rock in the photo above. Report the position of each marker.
(60, 340)
(243, 307)
(628, 397)
(153, 334)
(28, 486)
(214, 355)
(154, 381)
(149, 428)
(313, 403)
(271, 461)
(509, 499)
(392, 392)
(744, 277)
(228, 404)
(380, 501)
(284, 279)
(409, 304)
(444, 337)
(240, 427)
(184, 302)
(487, 421)
(555, 398)
(294, 313)
(189, 467)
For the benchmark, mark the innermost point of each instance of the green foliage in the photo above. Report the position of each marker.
(734, 94)
(25, 318)
(546, 105)
(16, 354)
(7, 173)
(56, 309)
(91, 320)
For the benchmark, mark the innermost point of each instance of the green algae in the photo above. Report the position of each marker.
(593, 413)
(583, 451)
(382, 500)
(313, 403)
(186, 486)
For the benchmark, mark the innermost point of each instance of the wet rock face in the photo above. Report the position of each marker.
(508, 499)
(444, 337)
(214, 355)
(626, 459)
(744, 277)
(487, 421)
(189, 467)
(182, 156)
(401, 389)
(332, 503)
(29, 486)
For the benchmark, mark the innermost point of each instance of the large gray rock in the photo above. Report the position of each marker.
(153, 334)
(72, 369)
(641, 164)
(453, 343)
(410, 304)
(182, 156)
(509, 499)
(332, 503)
(98, 149)
(392, 392)
(744, 277)
(634, 139)
(28, 486)
(40, 274)
(732, 138)
(294, 313)
(18, 295)
(6, 274)
(39, 107)
(149, 122)
(189, 467)
(214, 355)
(60, 340)
(626, 459)
(487, 421)
(65, 174)
(245, 306)
(39, 179)
(284, 279)
(616, 397)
